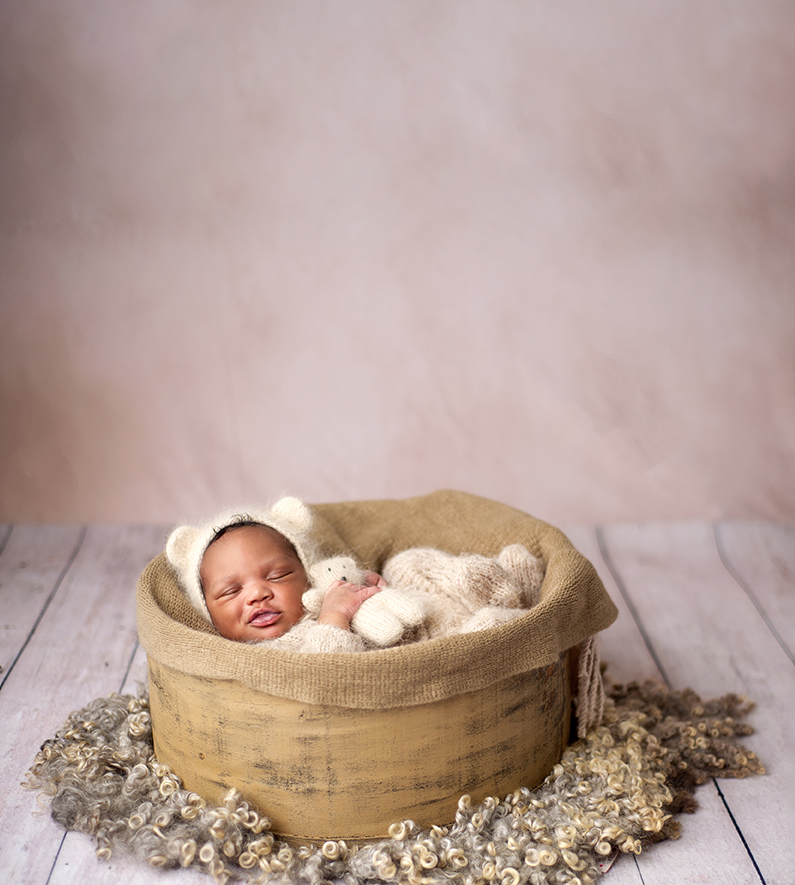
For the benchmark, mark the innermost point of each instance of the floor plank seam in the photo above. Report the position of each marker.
(730, 568)
(46, 605)
(129, 665)
(55, 859)
(739, 831)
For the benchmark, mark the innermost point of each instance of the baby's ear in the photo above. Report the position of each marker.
(293, 511)
(178, 546)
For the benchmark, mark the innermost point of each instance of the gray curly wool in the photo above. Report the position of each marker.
(616, 788)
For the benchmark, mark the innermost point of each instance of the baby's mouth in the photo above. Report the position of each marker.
(264, 618)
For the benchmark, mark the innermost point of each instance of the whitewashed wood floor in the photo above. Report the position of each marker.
(711, 606)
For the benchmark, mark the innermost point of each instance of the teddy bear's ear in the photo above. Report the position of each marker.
(293, 511)
(179, 545)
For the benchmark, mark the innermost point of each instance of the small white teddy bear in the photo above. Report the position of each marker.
(383, 619)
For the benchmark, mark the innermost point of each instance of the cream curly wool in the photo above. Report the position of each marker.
(186, 544)
(616, 790)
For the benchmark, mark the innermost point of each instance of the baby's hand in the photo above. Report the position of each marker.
(343, 599)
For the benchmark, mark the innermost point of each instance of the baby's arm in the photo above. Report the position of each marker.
(343, 599)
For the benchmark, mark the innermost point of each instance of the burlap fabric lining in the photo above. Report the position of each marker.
(573, 606)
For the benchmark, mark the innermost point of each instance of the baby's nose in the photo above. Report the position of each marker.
(259, 590)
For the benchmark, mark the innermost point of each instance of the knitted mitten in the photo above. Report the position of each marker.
(526, 570)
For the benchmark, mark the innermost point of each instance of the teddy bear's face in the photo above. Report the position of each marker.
(339, 568)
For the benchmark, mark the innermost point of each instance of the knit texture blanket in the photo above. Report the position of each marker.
(573, 606)
(617, 789)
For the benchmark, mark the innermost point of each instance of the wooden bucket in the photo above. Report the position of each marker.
(321, 772)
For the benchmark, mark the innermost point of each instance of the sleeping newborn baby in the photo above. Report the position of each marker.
(257, 578)
(247, 573)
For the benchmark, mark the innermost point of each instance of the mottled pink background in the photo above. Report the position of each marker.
(543, 252)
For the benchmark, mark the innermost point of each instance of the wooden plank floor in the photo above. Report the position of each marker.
(711, 606)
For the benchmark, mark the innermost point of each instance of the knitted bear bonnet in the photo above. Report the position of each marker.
(186, 545)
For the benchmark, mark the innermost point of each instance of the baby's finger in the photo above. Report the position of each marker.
(374, 580)
(369, 590)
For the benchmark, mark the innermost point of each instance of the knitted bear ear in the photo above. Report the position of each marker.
(294, 512)
(178, 546)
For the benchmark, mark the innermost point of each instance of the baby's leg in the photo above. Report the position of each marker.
(481, 581)
(471, 579)
(421, 568)
(490, 616)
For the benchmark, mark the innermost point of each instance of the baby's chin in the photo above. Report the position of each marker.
(253, 636)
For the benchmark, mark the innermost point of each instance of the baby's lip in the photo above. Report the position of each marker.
(264, 618)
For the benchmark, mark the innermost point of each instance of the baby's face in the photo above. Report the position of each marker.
(253, 583)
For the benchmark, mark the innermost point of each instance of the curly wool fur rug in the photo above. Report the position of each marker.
(618, 788)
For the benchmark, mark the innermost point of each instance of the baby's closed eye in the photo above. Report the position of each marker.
(278, 574)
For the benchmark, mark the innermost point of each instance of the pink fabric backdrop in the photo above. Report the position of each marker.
(541, 252)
